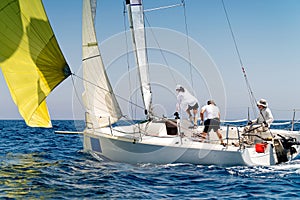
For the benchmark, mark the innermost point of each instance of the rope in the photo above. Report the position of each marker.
(155, 39)
(127, 60)
(187, 42)
(162, 7)
(122, 98)
(162, 53)
(131, 121)
(76, 93)
(251, 95)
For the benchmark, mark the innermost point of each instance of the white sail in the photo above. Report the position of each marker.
(136, 20)
(99, 99)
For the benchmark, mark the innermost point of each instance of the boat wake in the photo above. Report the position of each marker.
(287, 170)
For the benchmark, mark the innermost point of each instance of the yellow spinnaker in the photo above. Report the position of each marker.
(30, 58)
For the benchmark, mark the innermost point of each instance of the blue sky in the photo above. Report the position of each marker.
(267, 34)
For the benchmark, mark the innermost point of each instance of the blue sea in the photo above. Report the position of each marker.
(36, 163)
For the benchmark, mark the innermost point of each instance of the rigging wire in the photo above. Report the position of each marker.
(250, 92)
(155, 38)
(94, 84)
(188, 43)
(251, 95)
(143, 84)
(127, 60)
(160, 50)
(129, 120)
(187, 39)
(76, 92)
(119, 96)
(159, 47)
(163, 7)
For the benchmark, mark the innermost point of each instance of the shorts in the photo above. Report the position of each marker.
(194, 107)
(211, 124)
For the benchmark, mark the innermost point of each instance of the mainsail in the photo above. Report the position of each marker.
(99, 99)
(30, 58)
(136, 20)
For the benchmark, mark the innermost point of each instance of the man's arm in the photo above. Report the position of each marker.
(202, 114)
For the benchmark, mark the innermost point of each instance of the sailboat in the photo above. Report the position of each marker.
(156, 139)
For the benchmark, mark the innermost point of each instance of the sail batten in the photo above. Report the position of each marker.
(30, 58)
(100, 102)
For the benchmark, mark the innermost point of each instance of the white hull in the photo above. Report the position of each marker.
(161, 148)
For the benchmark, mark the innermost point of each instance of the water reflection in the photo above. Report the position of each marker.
(19, 174)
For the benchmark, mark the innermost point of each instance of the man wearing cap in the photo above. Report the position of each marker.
(264, 119)
(187, 102)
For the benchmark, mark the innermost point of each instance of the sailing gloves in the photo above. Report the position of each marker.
(264, 124)
(176, 114)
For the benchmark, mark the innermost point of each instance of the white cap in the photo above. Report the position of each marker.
(263, 103)
(178, 87)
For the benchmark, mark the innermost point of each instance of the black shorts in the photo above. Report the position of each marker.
(194, 107)
(211, 124)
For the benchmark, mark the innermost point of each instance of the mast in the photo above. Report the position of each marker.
(137, 27)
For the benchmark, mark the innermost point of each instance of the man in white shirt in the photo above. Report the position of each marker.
(264, 119)
(187, 102)
(212, 120)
